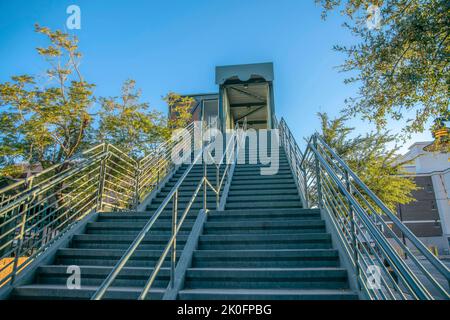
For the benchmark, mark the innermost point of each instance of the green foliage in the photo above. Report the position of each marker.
(402, 67)
(129, 124)
(371, 159)
(49, 120)
(46, 122)
(179, 110)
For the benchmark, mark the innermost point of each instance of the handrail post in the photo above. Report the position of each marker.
(157, 178)
(174, 243)
(205, 175)
(203, 158)
(351, 214)
(305, 182)
(217, 187)
(317, 165)
(101, 182)
(22, 232)
(136, 186)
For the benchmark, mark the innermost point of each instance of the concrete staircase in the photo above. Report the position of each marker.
(104, 241)
(263, 246)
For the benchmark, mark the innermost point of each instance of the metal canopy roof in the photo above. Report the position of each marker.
(244, 72)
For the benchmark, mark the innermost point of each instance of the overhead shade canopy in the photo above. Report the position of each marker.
(244, 72)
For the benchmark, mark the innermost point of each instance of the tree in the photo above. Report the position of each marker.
(402, 66)
(370, 158)
(129, 124)
(179, 110)
(48, 121)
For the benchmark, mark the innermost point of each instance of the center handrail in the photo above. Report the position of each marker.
(137, 241)
(176, 226)
(173, 195)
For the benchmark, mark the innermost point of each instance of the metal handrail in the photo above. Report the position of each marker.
(360, 220)
(176, 226)
(171, 245)
(36, 211)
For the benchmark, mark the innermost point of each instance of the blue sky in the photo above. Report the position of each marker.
(174, 45)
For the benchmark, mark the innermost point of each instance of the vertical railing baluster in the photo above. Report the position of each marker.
(157, 178)
(318, 180)
(136, 187)
(22, 231)
(205, 176)
(217, 186)
(101, 181)
(352, 226)
(305, 182)
(174, 243)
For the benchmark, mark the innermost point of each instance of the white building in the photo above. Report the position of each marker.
(429, 216)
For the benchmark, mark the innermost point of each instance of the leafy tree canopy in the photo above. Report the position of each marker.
(130, 124)
(402, 66)
(46, 122)
(179, 110)
(371, 159)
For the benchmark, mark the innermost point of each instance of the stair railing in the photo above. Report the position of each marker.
(204, 154)
(389, 261)
(36, 211)
(157, 164)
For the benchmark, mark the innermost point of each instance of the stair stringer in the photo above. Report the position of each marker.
(148, 199)
(343, 256)
(46, 257)
(186, 257)
(336, 240)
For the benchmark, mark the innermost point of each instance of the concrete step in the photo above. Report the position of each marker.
(247, 169)
(196, 206)
(105, 241)
(284, 186)
(182, 200)
(61, 292)
(269, 214)
(263, 204)
(184, 194)
(264, 226)
(268, 191)
(261, 178)
(198, 173)
(137, 216)
(194, 178)
(95, 275)
(159, 225)
(186, 183)
(266, 278)
(257, 166)
(275, 258)
(264, 294)
(108, 257)
(265, 241)
(267, 180)
(255, 198)
(133, 231)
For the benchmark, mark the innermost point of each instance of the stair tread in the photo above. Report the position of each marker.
(268, 291)
(266, 269)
